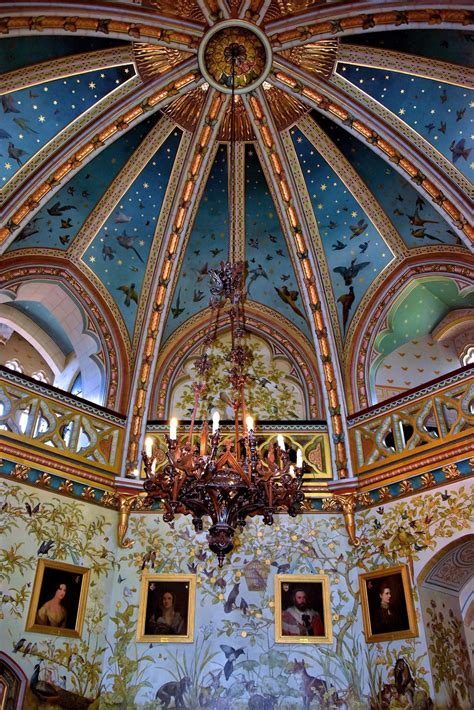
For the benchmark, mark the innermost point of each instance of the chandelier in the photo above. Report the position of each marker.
(224, 479)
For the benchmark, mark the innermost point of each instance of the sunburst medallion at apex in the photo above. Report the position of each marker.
(250, 49)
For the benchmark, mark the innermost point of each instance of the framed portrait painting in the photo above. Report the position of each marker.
(166, 613)
(58, 600)
(387, 604)
(302, 609)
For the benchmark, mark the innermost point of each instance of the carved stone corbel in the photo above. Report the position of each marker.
(125, 504)
(346, 502)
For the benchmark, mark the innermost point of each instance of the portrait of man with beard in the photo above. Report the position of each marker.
(300, 619)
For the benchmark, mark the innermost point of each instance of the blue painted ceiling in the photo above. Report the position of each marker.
(351, 252)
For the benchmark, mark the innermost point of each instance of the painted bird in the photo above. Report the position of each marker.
(65, 239)
(16, 153)
(443, 96)
(176, 310)
(272, 238)
(358, 229)
(231, 655)
(57, 209)
(215, 252)
(28, 230)
(349, 273)
(17, 646)
(121, 218)
(130, 293)
(259, 271)
(442, 127)
(8, 104)
(4, 134)
(346, 299)
(421, 234)
(229, 604)
(290, 298)
(32, 511)
(24, 125)
(126, 242)
(363, 247)
(460, 113)
(339, 245)
(459, 150)
(198, 295)
(45, 547)
(108, 252)
(202, 273)
(430, 127)
(66, 223)
(418, 221)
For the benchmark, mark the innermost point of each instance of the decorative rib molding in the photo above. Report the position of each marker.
(64, 67)
(331, 100)
(347, 18)
(160, 293)
(133, 109)
(406, 64)
(354, 183)
(39, 163)
(445, 167)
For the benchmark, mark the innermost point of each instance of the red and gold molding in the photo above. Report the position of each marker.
(295, 34)
(260, 122)
(171, 36)
(325, 103)
(183, 209)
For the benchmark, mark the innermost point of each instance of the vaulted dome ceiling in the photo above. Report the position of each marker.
(352, 186)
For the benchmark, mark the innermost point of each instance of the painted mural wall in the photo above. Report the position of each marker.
(234, 660)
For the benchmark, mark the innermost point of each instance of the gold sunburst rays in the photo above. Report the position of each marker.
(315, 57)
(152, 59)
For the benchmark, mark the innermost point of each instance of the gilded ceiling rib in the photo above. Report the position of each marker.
(446, 170)
(27, 178)
(414, 65)
(182, 8)
(314, 238)
(160, 293)
(210, 10)
(63, 67)
(118, 187)
(121, 21)
(179, 166)
(354, 183)
(179, 80)
(327, 98)
(277, 164)
(348, 18)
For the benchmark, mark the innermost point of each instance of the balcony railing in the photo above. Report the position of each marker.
(45, 425)
(58, 426)
(437, 415)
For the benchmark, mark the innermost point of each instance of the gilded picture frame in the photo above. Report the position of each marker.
(388, 610)
(302, 609)
(167, 607)
(58, 599)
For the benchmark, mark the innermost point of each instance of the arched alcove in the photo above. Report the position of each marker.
(444, 586)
